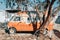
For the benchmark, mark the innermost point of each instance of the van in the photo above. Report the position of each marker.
(22, 22)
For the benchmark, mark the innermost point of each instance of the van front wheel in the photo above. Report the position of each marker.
(12, 30)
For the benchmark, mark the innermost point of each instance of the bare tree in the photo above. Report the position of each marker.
(19, 2)
(47, 13)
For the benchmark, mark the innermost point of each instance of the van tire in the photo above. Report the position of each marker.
(12, 30)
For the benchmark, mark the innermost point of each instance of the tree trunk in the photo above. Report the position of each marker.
(48, 16)
(46, 21)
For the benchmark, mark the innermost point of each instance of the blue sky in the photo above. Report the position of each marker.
(3, 5)
(55, 4)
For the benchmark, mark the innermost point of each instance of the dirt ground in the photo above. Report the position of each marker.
(26, 36)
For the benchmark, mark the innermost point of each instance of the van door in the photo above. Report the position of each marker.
(17, 24)
(29, 26)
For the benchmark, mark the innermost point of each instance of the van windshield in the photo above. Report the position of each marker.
(17, 19)
(11, 18)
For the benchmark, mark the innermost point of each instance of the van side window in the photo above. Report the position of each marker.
(28, 19)
(17, 19)
(58, 20)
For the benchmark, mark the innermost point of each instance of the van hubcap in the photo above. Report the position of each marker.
(11, 31)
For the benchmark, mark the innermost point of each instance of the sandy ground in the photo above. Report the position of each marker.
(27, 36)
(16, 36)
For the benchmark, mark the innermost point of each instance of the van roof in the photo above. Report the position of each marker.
(15, 11)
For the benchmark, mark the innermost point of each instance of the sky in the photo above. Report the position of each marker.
(3, 7)
(3, 4)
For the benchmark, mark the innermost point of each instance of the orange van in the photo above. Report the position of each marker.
(22, 22)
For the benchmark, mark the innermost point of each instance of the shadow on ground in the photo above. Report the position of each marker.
(57, 33)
